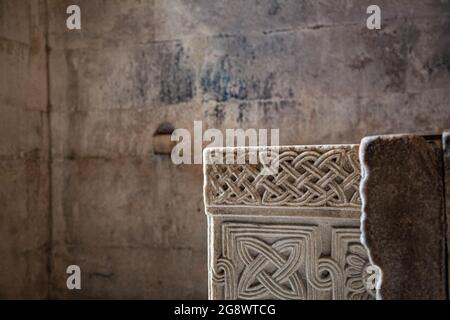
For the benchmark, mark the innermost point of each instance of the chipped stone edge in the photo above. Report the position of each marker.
(446, 158)
(365, 174)
(362, 186)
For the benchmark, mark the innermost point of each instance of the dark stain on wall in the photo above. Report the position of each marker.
(177, 78)
(222, 82)
(243, 110)
(217, 79)
(236, 74)
(274, 8)
(275, 108)
(218, 114)
(391, 47)
(73, 92)
(440, 60)
(143, 76)
(360, 63)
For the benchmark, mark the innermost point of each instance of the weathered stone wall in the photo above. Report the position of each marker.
(132, 220)
(24, 210)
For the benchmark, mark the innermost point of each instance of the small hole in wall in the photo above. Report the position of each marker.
(162, 143)
(164, 129)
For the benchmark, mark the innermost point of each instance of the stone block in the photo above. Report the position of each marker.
(120, 214)
(139, 77)
(446, 147)
(114, 218)
(343, 13)
(185, 18)
(290, 235)
(14, 58)
(22, 132)
(103, 134)
(103, 24)
(403, 224)
(15, 20)
(177, 19)
(23, 229)
(130, 272)
(36, 78)
(227, 68)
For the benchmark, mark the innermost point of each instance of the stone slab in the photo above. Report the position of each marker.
(446, 148)
(114, 218)
(120, 272)
(23, 229)
(291, 235)
(403, 215)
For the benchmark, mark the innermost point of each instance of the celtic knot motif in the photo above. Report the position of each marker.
(258, 282)
(307, 177)
(277, 261)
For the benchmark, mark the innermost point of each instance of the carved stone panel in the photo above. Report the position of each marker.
(324, 177)
(293, 234)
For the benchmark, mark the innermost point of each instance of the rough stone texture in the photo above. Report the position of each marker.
(446, 148)
(308, 67)
(122, 241)
(24, 177)
(403, 222)
(290, 235)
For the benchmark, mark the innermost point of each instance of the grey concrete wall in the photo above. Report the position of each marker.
(24, 179)
(132, 220)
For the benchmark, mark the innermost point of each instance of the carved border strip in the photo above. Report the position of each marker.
(308, 177)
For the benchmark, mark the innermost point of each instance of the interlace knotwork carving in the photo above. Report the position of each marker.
(306, 177)
(266, 261)
(268, 271)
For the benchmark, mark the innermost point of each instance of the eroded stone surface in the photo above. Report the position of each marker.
(312, 69)
(446, 148)
(24, 174)
(291, 235)
(403, 215)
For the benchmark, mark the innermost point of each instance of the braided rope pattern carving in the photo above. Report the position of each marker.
(326, 176)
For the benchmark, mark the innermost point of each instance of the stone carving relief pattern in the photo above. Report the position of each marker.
(265, 259)
(307, 177)
(268, 261)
